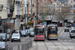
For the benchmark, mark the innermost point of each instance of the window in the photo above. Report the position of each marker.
(74, 0)
(74, 6)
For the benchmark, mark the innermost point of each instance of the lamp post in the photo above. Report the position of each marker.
(25, 17)
(37, 10)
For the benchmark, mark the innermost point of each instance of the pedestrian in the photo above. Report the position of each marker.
(13, 31)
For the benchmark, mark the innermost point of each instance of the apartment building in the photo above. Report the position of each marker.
(72, 4)
(3, 9)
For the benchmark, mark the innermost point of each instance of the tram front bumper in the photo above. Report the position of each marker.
(53, 37)
(39, 38)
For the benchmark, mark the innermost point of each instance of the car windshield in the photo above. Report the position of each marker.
(31, 29)
(73, 31)
(3, 35)
(23, 31)
(15, 35)
(32, 32)
(2, 43)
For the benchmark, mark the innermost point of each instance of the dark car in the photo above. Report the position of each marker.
(66, 29)
(3, 46)
(69, 24)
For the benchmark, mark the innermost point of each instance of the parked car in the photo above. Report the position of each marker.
(31, 34)
(23, 33)
(1, 39)
(15, 37)
(72, 32)
(31, 30)
(8, 37)
(26, 32)
(3, 46)
(4, 36)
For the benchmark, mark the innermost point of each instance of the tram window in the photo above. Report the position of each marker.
(53, 29)
(39, 32)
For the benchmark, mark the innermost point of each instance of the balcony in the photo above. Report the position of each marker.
(10, 15)
(1, 7)
(11, 8)
(18, 16)
(18, 2)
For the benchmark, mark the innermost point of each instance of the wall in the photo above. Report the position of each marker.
(3, 13)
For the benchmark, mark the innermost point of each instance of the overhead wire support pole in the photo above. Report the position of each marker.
(37, 10)
(25, 14)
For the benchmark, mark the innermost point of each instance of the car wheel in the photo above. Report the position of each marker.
(19, 40)
(11, 40)
(56, 39)
(29, 36)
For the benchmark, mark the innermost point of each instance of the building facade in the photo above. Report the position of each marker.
(3, 9)
(72, 5)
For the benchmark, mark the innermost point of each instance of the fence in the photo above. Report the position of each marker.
(23, 46)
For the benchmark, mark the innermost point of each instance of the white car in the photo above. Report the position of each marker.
(31, 30)
(31, 34)
(72, 32)
(3, 46)
(15, 37)
(23, 33)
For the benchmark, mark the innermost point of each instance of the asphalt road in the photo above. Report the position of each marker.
(16, 45)
(64, 42)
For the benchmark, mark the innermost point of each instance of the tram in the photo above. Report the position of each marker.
(52, 31)
(39, 32)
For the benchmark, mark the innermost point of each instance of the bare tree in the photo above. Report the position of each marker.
(62, 13)
(46, 10)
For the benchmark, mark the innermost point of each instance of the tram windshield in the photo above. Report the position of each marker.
(52, 30)
(39, 32)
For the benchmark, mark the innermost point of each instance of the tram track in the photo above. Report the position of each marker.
(61, 44)
(46, 46)
(36, 45)
(64, 45)
(55, 44)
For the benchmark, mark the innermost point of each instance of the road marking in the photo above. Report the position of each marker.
(62, 31)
